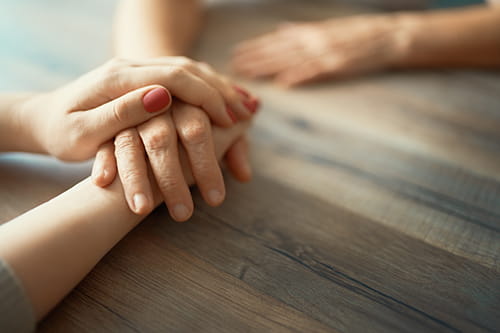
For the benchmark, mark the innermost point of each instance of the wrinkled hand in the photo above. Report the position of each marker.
(169, 159)
(72, 122)
(295, 54)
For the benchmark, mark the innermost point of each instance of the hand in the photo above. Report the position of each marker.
(158, 140)
(299, 53)
(79, 117)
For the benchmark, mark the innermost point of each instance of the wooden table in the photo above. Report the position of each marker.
(375, 207)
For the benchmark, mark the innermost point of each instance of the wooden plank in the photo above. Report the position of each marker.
(170, 290)
(435, 202)
(376, 207)
(333, 265)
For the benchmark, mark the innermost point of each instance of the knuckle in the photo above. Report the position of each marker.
(115, 64)
(195, 131)
(205, 67)
(158, 140)
(185, 63)
(182, 60)
(178, 73)
(120, 110)
(112, 71)
(109, 77)
(126, 142)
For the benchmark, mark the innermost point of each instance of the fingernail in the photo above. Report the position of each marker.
(231, 114)
(242, 91)
(156, 99)
(140, 203)
(180, 212)
(215, 197)
(251, 105)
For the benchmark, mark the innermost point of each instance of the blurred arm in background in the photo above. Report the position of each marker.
(299, 53)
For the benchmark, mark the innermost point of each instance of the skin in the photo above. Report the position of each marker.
(166, 28)
(94, 108)
(161, 27)
(66, 239)
(82, 118)
(103, 106)
(299, 53)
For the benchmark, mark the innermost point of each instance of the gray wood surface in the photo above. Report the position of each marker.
(375, 207)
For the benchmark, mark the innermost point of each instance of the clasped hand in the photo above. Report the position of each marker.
(130, 114)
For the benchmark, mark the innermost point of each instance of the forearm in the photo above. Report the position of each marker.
(52, 247)
(15, 134)
(152, 28)
(451, 38)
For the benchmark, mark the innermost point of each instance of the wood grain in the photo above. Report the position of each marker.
(375, 206)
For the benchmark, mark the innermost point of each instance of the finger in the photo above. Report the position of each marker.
(236, 106)
(268, 60)
(266, 45)
(129, 110)
(104, 168)
(185, 86)
(225, 137)
(160, 141)
(311, 71)
(237, 160)
(193, 127)
(237, 103)
(259, 42)
(266, 66)
(133, 172)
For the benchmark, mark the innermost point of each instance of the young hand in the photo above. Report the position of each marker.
(299, 53)
(72, 122)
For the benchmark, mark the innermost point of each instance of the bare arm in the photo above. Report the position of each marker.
(13, 133)
(52, 247)
(151, 28)
(468, 37)
(350, 46)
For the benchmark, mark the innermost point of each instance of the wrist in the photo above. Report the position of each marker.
(27, 115)
(14, 129)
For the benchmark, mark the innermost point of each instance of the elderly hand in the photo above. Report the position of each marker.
(295, 54)
(158, 140)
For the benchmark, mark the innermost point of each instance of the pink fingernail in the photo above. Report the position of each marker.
(252, 105)
(156, 99)
(231, 114)
(242, 91)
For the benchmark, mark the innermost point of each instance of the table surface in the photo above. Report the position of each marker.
(375, 207)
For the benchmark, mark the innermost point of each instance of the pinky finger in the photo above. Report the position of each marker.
(237, 160)
(104, 169)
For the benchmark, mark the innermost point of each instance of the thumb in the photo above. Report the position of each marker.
(129, 110)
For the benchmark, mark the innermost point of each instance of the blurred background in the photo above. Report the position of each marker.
(45, 43)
